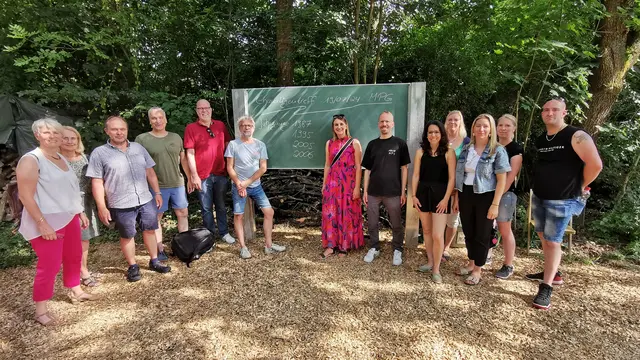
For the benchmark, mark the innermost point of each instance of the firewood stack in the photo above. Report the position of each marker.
(10, 207)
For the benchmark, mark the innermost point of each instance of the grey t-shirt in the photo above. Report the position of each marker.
(246, 158)
(124, 174)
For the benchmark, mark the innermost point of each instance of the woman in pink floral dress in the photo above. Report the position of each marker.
(341, 209)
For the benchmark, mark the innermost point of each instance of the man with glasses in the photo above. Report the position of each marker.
(567, 162)
(246, 163)
(205, 141)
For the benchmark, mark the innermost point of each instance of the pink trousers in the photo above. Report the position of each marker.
(66, 250)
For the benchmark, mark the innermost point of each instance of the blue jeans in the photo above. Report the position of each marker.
(255, 193)
(553, 216)
(212, 194)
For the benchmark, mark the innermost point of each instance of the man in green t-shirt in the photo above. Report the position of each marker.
(167, 151)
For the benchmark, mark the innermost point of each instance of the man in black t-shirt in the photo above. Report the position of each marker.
(385, 179)
(567, 162)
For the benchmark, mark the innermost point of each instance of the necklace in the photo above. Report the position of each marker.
(554, 135)
(53, 157)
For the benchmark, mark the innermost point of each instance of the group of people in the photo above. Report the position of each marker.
(458, 179)
(130, 185)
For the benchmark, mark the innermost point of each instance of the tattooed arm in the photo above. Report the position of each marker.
(586, 149)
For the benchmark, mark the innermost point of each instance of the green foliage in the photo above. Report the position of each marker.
(14, 249)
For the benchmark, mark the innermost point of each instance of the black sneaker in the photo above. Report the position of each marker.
(133, 273)
(162, 256)
(543, 299)
(505, 272)
(539, 277)
(158, 267)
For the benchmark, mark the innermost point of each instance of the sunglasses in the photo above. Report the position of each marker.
(211, 134)
(558, 99)
(338, 116)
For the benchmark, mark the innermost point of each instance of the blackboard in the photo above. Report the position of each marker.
(295, 122)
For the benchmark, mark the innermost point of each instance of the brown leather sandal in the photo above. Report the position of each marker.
(82, 298)
(89, 281)
(45, 319)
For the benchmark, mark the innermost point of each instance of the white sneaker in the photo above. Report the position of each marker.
(371, 254)
(275, 248)
(229, 239)
(397, 257)
(244, 253)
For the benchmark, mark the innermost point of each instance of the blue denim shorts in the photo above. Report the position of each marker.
(176, 196)
(146, 216)
(507, 207)
(255, 193)
(553, 216)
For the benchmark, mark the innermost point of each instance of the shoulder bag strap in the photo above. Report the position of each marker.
(342, 149)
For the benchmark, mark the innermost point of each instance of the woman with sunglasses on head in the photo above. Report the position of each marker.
(507, 125)
(481, 174)
(341, 203)
(433, 180)
(457, 137)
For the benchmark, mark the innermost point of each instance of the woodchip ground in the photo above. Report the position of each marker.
(297, 306)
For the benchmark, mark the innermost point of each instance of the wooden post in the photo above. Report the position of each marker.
(415, 127)
(240, 108)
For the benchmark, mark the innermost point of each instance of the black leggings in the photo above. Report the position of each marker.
(477, 229)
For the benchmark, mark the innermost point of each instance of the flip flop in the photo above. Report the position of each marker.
(472, 280)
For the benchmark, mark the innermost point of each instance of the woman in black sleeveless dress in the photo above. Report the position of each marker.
(433, 182)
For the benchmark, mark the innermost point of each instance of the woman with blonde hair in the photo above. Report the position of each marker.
(507, 125)
(73, 150)
(52, 218)
(341, 201)
(457, 137)
(480, 181)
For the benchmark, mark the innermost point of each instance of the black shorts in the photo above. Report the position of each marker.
(430, 194)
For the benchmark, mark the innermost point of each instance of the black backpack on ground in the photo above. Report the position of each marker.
(191, 244)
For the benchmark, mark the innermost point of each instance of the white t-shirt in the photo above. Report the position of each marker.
(57, 195)
(470, 166)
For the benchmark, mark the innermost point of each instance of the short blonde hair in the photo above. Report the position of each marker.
(46, 123)
(80, 148)
(462, 130)
(493, 137)
(510, 117)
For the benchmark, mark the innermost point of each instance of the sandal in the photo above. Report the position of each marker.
(424, 268)
(82, 298)
(45, 319)
(341, 253)
(446, 257)
(472, 280)
(463, 271)
(326, 255)
(89, 281)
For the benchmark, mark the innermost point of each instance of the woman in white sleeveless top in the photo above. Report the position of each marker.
(52, 217)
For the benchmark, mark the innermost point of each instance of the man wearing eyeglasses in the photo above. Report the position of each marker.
(246, 163)
(567, 162)
(205, 141)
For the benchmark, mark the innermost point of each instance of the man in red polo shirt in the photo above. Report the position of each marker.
(205, 141)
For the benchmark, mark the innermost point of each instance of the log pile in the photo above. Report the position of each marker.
(295, 195)
(9, 205)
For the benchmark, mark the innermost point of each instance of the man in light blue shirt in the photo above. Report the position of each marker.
(246, 162)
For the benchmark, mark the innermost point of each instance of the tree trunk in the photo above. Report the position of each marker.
(284, 49)
(376, 65)
(356, 41)
(618, 53)
(367, 42)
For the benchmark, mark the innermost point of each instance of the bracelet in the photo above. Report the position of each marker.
(40, 220)
(158, 193)
(495, 205)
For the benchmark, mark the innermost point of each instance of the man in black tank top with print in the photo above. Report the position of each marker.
(567, 162)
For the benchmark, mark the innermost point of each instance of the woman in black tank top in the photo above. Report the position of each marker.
(432, 184)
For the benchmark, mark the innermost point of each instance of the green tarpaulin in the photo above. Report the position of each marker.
(16, 117)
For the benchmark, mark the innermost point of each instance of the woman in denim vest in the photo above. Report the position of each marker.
(481, 173)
